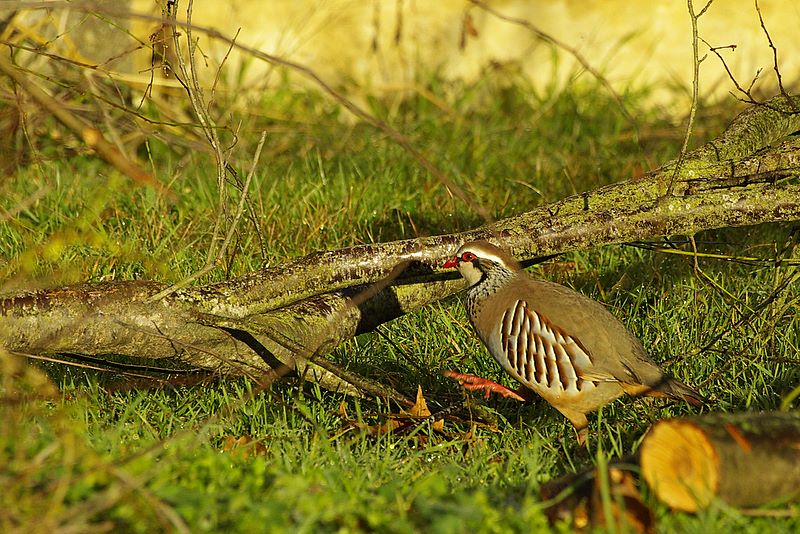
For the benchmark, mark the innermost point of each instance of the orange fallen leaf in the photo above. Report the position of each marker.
(402, 421)
(420, 408)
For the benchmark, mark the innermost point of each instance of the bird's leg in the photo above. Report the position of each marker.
(472, 383)
(583, 433)
(579, 422)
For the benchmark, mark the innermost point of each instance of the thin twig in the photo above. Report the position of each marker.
(106, 369)
(402, 140)
(745, 319)
(774, 58)
(231, 230)
(250, 371)
(91, 136)
(192, 85)
(696, 60)
(742, 260)
(715, 51)
(698, 271)
(747, 94)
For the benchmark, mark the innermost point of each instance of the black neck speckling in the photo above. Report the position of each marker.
(493, 277)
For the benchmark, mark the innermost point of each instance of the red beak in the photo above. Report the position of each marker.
(452, 262)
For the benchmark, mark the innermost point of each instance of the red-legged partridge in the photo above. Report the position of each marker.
(562, 345)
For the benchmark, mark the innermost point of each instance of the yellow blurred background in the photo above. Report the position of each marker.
(385, 47)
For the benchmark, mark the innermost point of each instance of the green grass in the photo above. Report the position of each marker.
(98, 455)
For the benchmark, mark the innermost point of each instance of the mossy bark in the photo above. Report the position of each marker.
(117, 318)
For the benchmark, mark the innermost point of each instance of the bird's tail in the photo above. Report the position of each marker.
(677, 390)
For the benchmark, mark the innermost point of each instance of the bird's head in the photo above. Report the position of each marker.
(477, 260)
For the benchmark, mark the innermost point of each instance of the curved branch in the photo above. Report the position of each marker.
(118, 318)
(287, 317)
(621, 212)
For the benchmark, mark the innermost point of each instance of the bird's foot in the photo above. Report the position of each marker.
(473, 383)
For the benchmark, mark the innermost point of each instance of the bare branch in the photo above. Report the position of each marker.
(228, 236)
(402, 140)
(774, 53)
(91, 136)
(696, 60)
(747, 94)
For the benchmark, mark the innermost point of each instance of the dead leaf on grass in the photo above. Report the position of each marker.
(402, 421)
(578, 499)
(420, 408)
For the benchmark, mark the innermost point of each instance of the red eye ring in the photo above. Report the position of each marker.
(468, 256)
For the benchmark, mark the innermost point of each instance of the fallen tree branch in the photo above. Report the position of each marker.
(288, 317)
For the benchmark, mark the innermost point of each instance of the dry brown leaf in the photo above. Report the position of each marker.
(420, 408)
(343, 411)
(582, 502)
(401, 421)
(627, 508)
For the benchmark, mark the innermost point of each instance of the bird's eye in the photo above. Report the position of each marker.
(468, 256)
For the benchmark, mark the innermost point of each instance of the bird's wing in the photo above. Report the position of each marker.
(614, 354)
(542, 353)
